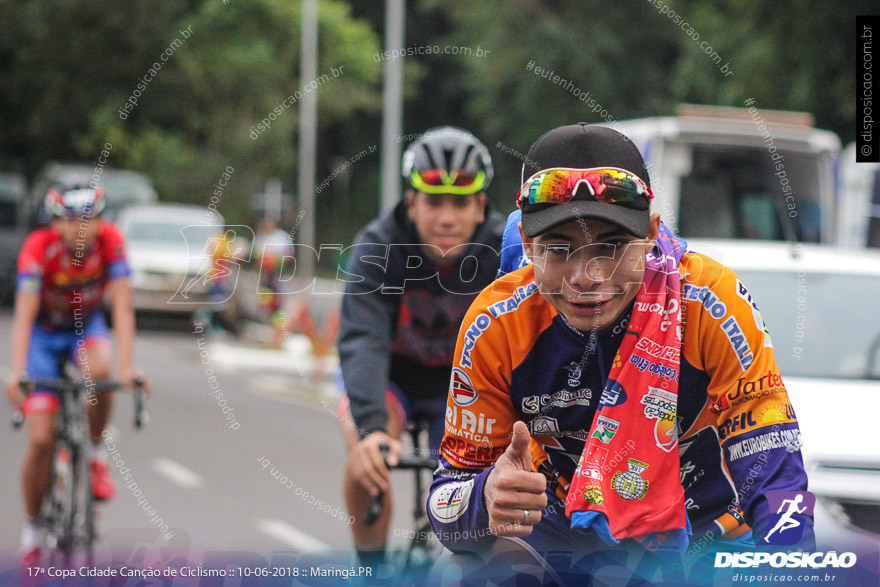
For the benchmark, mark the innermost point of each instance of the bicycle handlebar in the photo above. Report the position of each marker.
(25, 384)
(417, 463)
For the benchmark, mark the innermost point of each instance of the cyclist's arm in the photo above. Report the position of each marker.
(365, 335)
(748, 403)
(29, 282)
(121, 303)
(27, 306)
(477, 433)
(122, 310)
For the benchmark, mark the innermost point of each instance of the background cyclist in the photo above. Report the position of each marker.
(64, 271)
(413, 273)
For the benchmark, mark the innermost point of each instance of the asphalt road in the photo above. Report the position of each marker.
(263, 478)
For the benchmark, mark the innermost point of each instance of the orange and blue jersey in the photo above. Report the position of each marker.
(517, 358)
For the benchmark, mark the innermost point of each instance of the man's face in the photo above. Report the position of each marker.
(77, 233)
(589, 269)
(445, 221)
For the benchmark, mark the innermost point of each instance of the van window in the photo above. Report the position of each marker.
(741, 192)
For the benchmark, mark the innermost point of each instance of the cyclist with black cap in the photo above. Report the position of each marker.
(618, 396)
(413, 274)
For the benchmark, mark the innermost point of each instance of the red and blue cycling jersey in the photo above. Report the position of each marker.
(70, 283)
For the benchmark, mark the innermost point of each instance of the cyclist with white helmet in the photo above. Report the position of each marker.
(64, 271)
(413, 273)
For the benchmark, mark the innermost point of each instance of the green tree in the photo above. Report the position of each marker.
(615, 58)
(794, 55)
(229, 96)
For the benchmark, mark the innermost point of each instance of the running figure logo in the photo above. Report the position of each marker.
(216, 255)
(792, 510)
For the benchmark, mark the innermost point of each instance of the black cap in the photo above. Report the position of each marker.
(585, 146)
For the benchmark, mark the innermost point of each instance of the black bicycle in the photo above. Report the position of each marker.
(69, 507)
(417, 557)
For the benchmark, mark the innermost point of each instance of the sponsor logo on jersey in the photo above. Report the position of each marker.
(479, 325)
(750, 389)
(473, 332)
(534, 404)
(657, 350)
(657, 368)
(575, 371)
(740, 423)
(511, 303)
(596, 455)
(450, 501)
(731, 328)
(661, 405)
(469, 455)
(473, 426)
(613, 395)
(606, 428)
(789, 439)
(461, 389)
(742, 292)
(630, 484)
(738, 342)
(716, 308)
(544, 425)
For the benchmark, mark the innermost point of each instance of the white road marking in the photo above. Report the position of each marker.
(296, 355)
(177, 473)
(293, 537)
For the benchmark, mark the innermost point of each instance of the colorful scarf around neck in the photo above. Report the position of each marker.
(627, 482)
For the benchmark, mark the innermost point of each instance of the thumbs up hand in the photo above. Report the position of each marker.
(514, 494)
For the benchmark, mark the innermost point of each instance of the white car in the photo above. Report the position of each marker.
(821, 306)
(169, 251)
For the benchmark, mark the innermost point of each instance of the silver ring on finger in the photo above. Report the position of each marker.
(528, 516)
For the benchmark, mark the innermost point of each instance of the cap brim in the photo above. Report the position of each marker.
(635, 222)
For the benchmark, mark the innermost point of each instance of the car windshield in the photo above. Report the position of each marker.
(821, 324)
(170, 233)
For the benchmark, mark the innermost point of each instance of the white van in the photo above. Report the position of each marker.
(741, 173)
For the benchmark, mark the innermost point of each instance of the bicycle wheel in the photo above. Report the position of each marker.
(58, 508)
(90, 532)
(73, 519)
